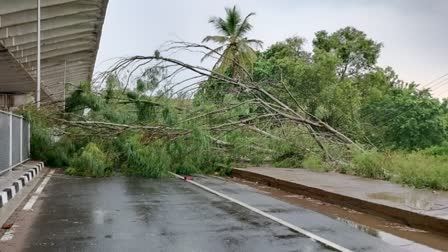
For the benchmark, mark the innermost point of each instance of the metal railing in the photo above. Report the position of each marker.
(14, 141)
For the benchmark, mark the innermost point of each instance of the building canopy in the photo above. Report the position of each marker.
(70, 35)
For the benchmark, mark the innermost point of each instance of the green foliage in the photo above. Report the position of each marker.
(336, 83)
(438, 150)
(184, 156)
(421, 171)
(371, 164)
(82, 98)
(91, 162)
(356, 52)
(406, 119)
(47, 146)
(315, 163)
(236, 50)
(292, 149)
(417, 169)
(148, 161)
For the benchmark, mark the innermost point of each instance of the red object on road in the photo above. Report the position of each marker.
(188, 178)
(7, 226)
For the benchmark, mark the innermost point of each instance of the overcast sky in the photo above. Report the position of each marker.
(414, 32)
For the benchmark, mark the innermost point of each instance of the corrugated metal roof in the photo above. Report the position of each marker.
(70, 36)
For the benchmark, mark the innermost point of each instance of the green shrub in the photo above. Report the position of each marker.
(91, 162)
(420, 170)
(45, 146)
(196, 153)
(315, 163)
(371, 164)
(438, 150)
(417, 169)
(291, 150)
(150, 161)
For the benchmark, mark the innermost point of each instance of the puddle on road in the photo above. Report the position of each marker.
(386, 196)
(390, 238)
(421, 200)
(397, 234)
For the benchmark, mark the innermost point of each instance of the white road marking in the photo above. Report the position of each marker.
(4, 197)
(278, 220)
(29, 205)
(8, 235)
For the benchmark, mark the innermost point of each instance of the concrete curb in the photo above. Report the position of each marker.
(9, 192)
(408, 217)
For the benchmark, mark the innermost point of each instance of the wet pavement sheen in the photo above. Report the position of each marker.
(429, 202)
(136, 214)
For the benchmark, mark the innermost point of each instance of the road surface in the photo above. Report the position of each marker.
(136, 214)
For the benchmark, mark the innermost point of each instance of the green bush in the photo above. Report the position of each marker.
(438, 150)
(196, 153)
(91, 162)
(147, 161)
(315, 163)
(45, 146)
(292, 149)
(371, 164)
(417, 169)
(420, 170)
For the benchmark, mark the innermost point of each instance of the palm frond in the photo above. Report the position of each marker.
(214, 51)
(248, 56)
(245, 26)
(220, 25)
(216, 39)
(233, 20)
(226, 60)
(254, 43)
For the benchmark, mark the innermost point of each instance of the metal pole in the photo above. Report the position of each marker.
(21, 139)
(10, 139)
(38, 55)
(28, 154)
(65, 79)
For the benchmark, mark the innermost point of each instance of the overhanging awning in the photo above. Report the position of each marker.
(70, 36)
(13, 76)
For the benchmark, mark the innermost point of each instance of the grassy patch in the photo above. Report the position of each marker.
(315, 163)
(417, 169)
(421, 170)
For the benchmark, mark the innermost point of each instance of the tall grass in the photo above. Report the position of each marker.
(315, 163)
(418, 169)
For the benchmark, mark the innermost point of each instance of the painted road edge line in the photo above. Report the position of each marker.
(267, 215)
(29, 205)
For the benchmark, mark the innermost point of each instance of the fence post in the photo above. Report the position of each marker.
(10, 139)
(21, 140)
(29, 140)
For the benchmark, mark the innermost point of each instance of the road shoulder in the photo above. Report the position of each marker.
(417, 208)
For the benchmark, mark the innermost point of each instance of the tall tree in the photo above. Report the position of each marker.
(355, 50)
(236, 52)
(406, 118)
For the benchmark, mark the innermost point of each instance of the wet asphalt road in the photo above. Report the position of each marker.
(135, 214)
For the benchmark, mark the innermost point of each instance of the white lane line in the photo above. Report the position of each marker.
(8, 235)
(278, 220)
(29, 205)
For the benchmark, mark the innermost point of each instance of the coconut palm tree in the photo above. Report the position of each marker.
(236, 52)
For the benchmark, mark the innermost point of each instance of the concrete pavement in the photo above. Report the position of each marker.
(416, 207)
